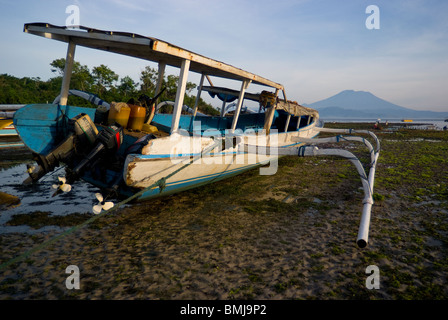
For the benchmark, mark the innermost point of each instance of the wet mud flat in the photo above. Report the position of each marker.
(286, 236)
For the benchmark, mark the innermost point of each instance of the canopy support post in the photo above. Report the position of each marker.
(69, 60)
(223, 107)
(289, 115)
(287, 122)
(181, 86)
(161, 74)
(299, 118)
(244, 86)
(309, 120)
(196, 103)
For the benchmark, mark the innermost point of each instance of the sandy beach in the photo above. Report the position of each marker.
(286, 236)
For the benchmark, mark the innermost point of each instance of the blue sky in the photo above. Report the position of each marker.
(315, 48)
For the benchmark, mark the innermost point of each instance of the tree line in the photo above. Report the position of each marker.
(100, 80)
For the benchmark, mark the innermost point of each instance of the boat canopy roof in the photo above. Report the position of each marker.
(146, 48)
(296, 109)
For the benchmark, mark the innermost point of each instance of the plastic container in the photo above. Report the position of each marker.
(149, 128)
(136, 117)
(119, 113)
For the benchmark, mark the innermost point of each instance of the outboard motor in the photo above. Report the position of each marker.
(49, 161)
(108, 139)
(83, 142)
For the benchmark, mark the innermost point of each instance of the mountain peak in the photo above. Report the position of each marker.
(355, 100)
(356, 103)
(354, 92)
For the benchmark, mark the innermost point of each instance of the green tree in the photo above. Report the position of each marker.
(148, 78)
(81, 77)
(171, 87)
(103, 78)
(58, 66)
(127, 87)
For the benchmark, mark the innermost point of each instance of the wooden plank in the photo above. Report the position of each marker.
(203, 64)
(147, 48)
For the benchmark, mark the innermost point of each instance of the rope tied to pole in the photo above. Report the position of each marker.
(161, 184)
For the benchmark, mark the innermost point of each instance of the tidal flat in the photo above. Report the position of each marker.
(291, 235)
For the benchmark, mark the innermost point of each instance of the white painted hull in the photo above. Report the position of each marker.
(165, 155)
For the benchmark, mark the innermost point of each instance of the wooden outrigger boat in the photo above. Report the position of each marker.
(9, 138)
(6, 122)
(6, 127)
(173, 151)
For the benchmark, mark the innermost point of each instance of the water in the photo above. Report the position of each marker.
(38, 197)
(437, 123)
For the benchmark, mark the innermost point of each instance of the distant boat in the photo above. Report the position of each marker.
(5, 122)
(6, 119)
(9, 138)
(407, 120)
(7, 128)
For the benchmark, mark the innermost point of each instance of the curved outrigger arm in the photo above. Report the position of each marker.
(338, 138)
(311, 151)
(353, 131)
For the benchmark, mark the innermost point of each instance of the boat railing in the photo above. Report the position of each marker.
(8, 110)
